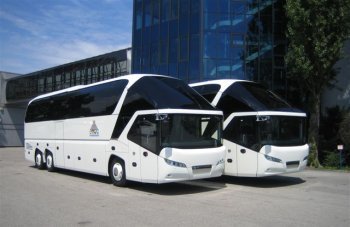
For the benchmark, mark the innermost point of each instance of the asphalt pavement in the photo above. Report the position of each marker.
(32, 197)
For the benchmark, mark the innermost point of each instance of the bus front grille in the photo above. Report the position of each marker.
(293, 164)
(201, 169)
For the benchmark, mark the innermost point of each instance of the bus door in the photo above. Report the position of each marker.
(133, 165)
(247, 146)
(247, 161)
(59, 148)
(231, 158)
(143, 134)
(242, 133)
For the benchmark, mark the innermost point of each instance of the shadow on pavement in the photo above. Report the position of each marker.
(82, 175)
(186, 187)
(261, 182)
(180, 188)
(195, 186)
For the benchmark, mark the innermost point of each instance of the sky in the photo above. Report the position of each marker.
(39, 34)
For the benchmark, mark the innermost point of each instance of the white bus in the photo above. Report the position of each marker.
(263, 134)
(145, 128)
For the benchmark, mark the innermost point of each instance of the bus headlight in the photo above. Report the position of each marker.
(273, 159)
(220, 162)
(174, 163)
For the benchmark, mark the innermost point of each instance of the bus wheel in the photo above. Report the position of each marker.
(39, 162)
(117, 172)
(49, 162)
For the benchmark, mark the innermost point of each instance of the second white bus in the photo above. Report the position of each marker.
(263, 134)
(143, 128)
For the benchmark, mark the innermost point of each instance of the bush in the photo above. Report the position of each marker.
(332, 159)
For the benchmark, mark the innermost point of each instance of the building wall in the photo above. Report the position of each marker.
(85, 71)
(11, 127)
(16, 90)
(11, 118)
(199, 40)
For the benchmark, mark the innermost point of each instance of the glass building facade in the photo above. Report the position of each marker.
(199, 40)
(85, 71)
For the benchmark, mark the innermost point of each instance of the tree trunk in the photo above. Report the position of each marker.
(314, 126)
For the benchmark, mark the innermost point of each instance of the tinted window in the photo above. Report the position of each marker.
(150, 93)
(92, 101)
(38, 110)
(96, 100)
(191, 131)
(282, 131)
(248, 96)
(144, 132)
(254, 132)
(208, 91)
(243, 131)
(185, 131)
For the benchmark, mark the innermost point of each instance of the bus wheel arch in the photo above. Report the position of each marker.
(50, 164)
(116, 171)
(39, 159)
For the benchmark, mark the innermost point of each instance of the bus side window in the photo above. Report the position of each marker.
(243, 131)
(144, 132)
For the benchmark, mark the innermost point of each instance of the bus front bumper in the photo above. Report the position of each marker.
(199, 164)
(274, 160)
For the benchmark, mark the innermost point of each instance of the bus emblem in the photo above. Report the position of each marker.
(94, 130)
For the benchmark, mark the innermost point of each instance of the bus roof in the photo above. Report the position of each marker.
(224, 83)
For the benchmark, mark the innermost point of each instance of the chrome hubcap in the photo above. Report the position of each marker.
(117, 171)
(38, 159)
(49, 161)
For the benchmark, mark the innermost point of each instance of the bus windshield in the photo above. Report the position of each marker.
(190, 131)
(157, 131)
(254, 131)
(282, 130)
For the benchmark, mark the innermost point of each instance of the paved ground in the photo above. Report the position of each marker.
(31, 197)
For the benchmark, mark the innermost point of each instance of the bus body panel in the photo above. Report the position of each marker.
(247, 161)
(58, 151)
(89, 128)
(293, 159)
(85, 155)
(148, 166)
(231, 158)
(40, 130)
(145, 164)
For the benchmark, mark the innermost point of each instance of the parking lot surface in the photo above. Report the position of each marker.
(32, 197)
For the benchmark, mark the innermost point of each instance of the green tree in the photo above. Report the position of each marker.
(316, 31)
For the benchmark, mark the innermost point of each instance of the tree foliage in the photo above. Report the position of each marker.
(316, 31)
(344, 131)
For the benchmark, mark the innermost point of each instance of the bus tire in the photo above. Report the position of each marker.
(117, 172)
(49, 162)
(39, 162)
